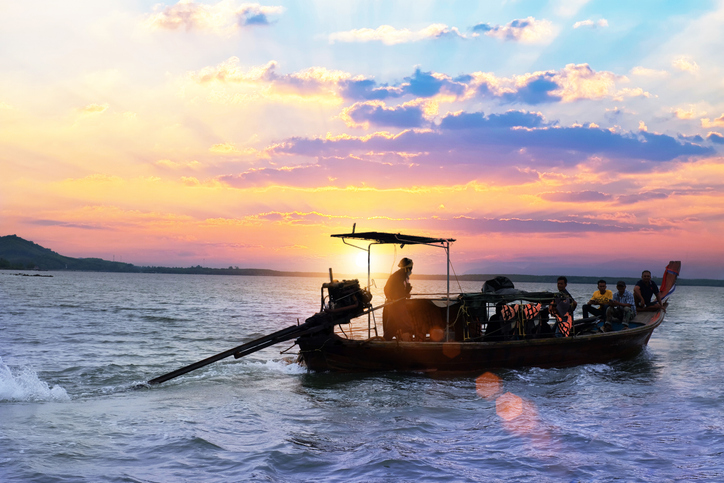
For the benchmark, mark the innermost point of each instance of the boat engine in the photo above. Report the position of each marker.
(346, 298)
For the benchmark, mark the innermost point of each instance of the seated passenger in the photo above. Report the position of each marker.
(562, 293)
(644, 291)
(561, 284)
(600, 297)
(560, 309)
(494, 329)
(622, 307)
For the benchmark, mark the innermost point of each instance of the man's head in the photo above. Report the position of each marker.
(621, 286)
(406, 263)
(602, 286)
(562, 282)
(646, 276)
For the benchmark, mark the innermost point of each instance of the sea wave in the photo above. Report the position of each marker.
(25, 385)
(284, 366)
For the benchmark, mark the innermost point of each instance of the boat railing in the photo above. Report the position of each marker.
(478, 305)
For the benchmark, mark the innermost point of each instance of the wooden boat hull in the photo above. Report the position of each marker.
(330, 352)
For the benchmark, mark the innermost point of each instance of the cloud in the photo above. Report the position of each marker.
(91, 109)
(230, 71)
(641, 197)
(64, 224)
(527, 31)
(223, 18)
(715, 137)
(389, 35)
(427, 84)
(535, 89)
(298, 217)
(685, 64)
(646, 72)
(377, 169)
(230, 149)
(575, 196)
(684, 115)
(478, 120)
(168, 164)
(362, 114)
(694, 139)
(708, 123)
(591, 24)
(463, 137)
(482, 225)
(264, 81)
(572, 83)
(579, 81)
(419, 84)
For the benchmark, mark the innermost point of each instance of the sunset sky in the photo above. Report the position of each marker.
(571, 136)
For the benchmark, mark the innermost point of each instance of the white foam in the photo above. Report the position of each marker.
(287, 367)
(283, 366)
(26, 386)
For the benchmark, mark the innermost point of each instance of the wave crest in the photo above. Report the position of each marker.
(26, 386)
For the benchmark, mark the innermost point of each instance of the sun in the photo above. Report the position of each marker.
(361, 260)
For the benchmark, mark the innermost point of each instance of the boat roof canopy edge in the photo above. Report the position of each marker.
(394, 238)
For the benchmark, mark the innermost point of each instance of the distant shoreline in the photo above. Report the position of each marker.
(260, 272)
(19, 254)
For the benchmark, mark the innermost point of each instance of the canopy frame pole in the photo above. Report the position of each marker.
(369, 280)
(447, 315)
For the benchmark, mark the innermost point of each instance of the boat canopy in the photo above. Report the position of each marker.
(382, 238)
(395, 238)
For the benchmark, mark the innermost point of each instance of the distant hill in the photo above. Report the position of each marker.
(19, 254)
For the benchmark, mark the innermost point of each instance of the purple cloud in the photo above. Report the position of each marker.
(367, 89)
(532, 224)
(419, 84)
(475, 133)
(478, 120)
(635, 198)
(64, 224)
(424, 84)
(404, 116)
(692, 139)
(715, 137)
(576, 196)
(381, 171)
(536, 91)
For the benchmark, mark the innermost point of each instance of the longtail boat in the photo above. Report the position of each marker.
(456, 332)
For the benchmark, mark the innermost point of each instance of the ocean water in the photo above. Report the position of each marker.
(74, 346)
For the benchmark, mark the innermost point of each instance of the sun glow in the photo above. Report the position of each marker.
(361, 260)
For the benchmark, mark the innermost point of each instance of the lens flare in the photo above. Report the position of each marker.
(451, 349)
(488, 385)
(509, 406)
(437, 334)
